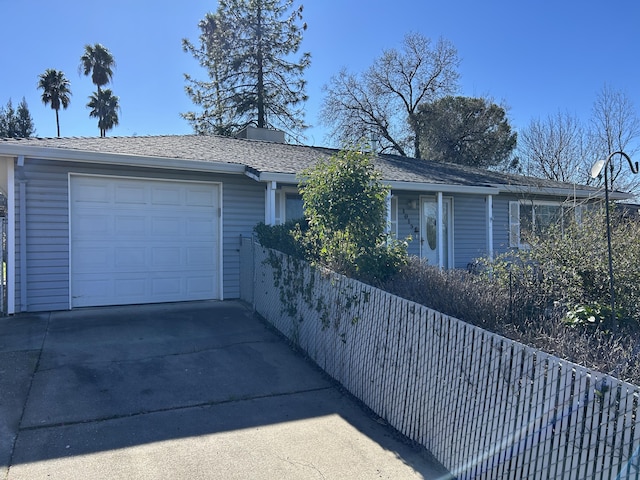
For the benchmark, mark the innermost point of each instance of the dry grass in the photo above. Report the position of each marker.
(517, 311)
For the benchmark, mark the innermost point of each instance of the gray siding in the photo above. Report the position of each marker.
(501, 223)
(47, 201)
(47, 242)
(469, 228)
(408, 222)
(243, 206)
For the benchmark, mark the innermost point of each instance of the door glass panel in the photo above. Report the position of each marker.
(430, 220)
(429, 240)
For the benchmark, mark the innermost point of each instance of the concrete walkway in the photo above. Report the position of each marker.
(192, 391)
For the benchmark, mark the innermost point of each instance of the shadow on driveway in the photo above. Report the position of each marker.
(201, 390)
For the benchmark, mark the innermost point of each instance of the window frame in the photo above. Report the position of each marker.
(515, 217)
(281, 203)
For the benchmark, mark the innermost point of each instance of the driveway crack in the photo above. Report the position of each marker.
(26, 402)
(238, 399)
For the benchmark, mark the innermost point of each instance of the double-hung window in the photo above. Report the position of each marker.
(534, 217)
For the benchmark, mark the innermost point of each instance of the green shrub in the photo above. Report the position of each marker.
(566, 270)
(284, 238)
(345, 205)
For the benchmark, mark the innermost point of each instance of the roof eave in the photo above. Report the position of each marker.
(442, 187)
(83, 156)
(561, 192)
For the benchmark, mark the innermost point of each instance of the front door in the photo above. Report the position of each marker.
(429, 246)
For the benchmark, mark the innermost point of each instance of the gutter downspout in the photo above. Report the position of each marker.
(22, 224)
(11, 239)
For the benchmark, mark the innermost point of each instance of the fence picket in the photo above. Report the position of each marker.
(486, 407)
(625, 429)
(430, 378)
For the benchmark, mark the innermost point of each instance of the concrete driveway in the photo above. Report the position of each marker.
(200, 390)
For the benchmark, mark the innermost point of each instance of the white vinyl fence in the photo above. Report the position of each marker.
(486, 407)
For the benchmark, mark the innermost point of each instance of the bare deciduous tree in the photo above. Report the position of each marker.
(383, 101)
(615, 126)
(557, 148)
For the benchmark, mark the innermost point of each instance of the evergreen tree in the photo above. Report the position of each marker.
(16, 123)
(247, 48)
(465, 130)
(24, 121)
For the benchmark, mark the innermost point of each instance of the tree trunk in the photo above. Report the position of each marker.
(259, 57)
(416, 135)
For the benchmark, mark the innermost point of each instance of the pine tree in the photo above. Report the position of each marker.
(16, 123)
(247, 48)
(24, 121)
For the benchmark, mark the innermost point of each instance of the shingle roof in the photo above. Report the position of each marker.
(261, 156)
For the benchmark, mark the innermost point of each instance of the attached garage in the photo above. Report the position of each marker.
(135, 241)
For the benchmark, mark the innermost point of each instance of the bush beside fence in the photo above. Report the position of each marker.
(483, 405)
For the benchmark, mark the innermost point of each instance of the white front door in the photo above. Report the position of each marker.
(429, 239)
(143, 241)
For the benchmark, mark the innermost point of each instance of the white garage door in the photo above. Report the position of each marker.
(143, 241)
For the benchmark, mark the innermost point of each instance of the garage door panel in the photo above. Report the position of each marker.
(167, 256)
(128, 258)
(89, 286)
(125, 287)
(166, 196)
(199, 226)
(89, 258)
(92, 193)
(130, 194)
(201, 198)
(171, 287)
(156, 241)
(202, 256)
(199, 285)
(91, 223)
(130, 225)
(167, 226)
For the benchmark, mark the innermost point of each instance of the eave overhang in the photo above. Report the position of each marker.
(561, 192)
(83, 156)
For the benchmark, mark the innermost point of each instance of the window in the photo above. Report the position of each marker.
(537, 216)
(293, 207)
(393, 216)
(289, 206)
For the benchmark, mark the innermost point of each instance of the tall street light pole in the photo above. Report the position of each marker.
(595, 171)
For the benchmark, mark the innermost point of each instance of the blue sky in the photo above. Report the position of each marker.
(537, 57)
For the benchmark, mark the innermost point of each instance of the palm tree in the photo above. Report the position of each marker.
(104, 106)
(98, 62)
(55, 91)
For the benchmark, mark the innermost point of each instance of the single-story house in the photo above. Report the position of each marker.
(109, 221)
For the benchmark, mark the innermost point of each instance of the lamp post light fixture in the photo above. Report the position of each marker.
(596, 169)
